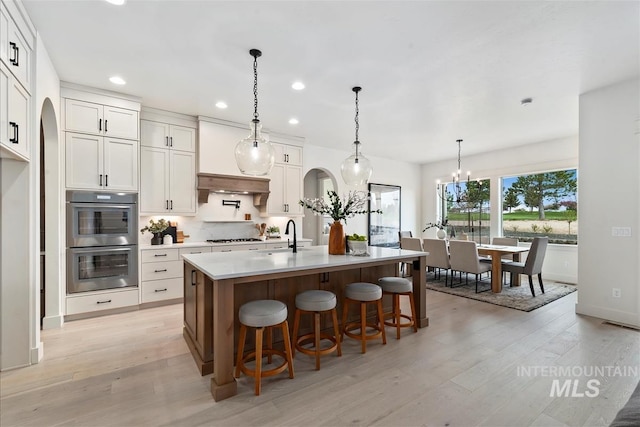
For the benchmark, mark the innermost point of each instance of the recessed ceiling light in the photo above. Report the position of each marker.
(116, 2)
(526, 101)
(297, 85)
(293, 121)
(221, 104)
(116, 80)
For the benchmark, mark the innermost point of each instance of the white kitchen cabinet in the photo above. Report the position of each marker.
(14, 116)
(161, 272)
(286, 191)
(234, 248)
(167, 181)
(97, 119)
(16, 46)
(287, 154)
(99, 301)
(100, 163)
(165, 135)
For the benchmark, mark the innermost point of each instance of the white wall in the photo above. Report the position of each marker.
(561, 261)
(609, 182)
(385, 171)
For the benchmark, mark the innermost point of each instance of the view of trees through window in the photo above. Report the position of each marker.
(467, 209)
(543, 204)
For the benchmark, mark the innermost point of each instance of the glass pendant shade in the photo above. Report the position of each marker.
(356, 169)
(254, 154)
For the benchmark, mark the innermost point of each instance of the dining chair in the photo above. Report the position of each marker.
(464, 258)
(438, 256)
(505, 241)
(533, 264)
(412, 244)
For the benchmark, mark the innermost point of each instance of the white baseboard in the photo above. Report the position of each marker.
(613, 316)
(52, 322)
(37, 353)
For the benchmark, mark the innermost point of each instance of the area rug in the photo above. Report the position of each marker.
(518, 297)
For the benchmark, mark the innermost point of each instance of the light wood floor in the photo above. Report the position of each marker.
(134, 369)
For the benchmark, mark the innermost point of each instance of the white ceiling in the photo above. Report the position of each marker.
(431, 71)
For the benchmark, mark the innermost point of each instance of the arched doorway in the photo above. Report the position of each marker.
(316, 184)
(51, 209)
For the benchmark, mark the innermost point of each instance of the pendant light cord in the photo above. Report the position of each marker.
(255, 87)
(357, 141)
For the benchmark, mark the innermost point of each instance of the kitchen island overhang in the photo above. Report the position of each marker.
(216, 284)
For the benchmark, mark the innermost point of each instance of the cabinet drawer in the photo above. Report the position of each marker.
(104, 301)
(233, 248)
(198, 250)
(158, 290)
(161, 270)
(157, 255)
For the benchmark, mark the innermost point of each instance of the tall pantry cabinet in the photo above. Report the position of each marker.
(16, 78)
(101, 139)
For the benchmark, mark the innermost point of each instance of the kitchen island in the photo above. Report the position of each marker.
(217, 284)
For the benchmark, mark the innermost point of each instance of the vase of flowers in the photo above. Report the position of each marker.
(156, 228)
(441, 233)
(339, 209)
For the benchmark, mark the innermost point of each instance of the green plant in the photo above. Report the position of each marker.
(273, 229)
(356, 237)
(547, 228)
(155, 226)
(438, 225)
(535, 228)
(514, 228)
(338, 209)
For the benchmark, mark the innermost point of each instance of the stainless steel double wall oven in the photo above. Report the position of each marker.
(102, 241)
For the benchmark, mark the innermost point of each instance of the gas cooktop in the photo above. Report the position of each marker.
(250, 239)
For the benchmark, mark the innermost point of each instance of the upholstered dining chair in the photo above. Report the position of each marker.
(533, 264)
(438, 256)
(464, 258)
(505, 241)
(411, 244)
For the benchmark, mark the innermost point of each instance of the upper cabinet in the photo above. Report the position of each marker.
(287, 154)
(286, 185)
(96, 119)
(167, 163)
(101, 139)
(16, 41)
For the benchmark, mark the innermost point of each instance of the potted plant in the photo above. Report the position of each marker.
(339, 209)
(273, 232)
(156, 228)
(440, 225)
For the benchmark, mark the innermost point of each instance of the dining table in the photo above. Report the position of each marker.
(496, 252)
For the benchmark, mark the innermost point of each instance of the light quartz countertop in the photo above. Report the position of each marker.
(228, 265)
(199, 244)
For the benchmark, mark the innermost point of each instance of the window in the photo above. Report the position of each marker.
(543, 204)
(467, 209)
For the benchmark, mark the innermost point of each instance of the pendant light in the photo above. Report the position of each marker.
(254, 154)
(356, 169)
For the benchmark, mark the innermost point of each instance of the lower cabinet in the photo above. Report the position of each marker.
(161, 272)
(100, 301)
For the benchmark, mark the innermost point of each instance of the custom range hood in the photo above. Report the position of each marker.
(228, 184)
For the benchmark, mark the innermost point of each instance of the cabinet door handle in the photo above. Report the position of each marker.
(106, 180)
(193, 277)
(160, 255)
(16, 54)
(253, 249)
(100, 180)
(100, 125)
(16, 132)
(171, 208)
(167, 204)
(105, 125)
(104, 302)
(160, 271)
(160, 290)
(170, 141)
(166, 141)
(226, 250)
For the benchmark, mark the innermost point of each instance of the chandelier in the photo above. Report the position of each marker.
(356, 169)
(254, 154)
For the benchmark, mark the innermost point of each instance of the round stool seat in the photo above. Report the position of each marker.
(395, 284)
(363, 291)
(261, 313)
(316, 300)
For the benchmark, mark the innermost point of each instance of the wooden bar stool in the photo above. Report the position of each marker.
(363, 293)
(261, 314)
(316, 302)
(397, 286)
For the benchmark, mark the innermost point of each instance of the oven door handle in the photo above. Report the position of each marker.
(99, 205)
(102, 249)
